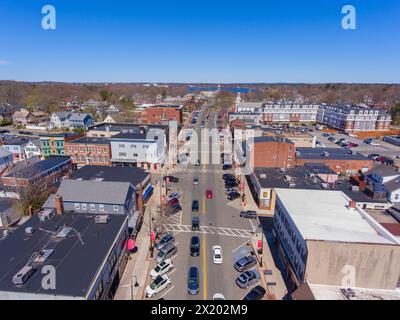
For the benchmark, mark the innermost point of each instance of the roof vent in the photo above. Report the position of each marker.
(23, 275)
(64, 232)
(102, 219)
(29, 230)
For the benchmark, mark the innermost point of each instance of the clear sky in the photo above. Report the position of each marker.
(200, 41)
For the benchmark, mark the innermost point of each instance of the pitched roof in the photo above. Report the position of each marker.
(106, 192)
(383, 171)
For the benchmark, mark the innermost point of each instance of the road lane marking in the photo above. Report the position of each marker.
(236, 249)
(204, 268)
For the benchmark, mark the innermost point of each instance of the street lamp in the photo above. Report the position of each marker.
(136, 284)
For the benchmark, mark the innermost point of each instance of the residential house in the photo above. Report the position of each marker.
(384, 178)
(22, 117)
(89, 150)
(53, 144)
(71, 120)
(16, 146)
(32, 149)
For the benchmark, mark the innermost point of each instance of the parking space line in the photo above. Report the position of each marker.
(162, 296)
(236, 249)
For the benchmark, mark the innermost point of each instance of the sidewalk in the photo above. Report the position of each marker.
(140, 262)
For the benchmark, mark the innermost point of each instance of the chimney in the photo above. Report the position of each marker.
(30, 211)
(352, 205)
(59, 205)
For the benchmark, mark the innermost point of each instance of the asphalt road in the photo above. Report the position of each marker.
(220, 225)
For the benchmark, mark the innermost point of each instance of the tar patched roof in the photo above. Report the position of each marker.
(324, 215)
(76, 259)
(328, 153)
(132, 175)
(106, 192)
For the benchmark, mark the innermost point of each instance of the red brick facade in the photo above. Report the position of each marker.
(86, 153)
(160, 115)
(274, 154)
(340, 166)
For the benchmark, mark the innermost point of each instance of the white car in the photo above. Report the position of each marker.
(218, 296)
(158, 285)
(217, 254)
(162, 268)
(376, 144)
(173, 196)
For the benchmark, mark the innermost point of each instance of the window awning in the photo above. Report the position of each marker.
(147, 192)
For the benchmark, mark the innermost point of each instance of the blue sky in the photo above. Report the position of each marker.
(200, 41)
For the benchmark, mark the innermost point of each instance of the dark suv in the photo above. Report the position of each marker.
(195, 205)
(195, 246)
(196, 223)
(248, 214)
(193, 281)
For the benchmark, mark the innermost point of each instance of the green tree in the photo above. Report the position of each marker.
(105, 95)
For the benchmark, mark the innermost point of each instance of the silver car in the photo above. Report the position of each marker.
(247, 279)
(166, 240)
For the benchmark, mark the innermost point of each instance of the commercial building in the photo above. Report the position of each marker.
(162, 114)
(272, 152)
(137, 177)
(53, 144)
(385, 179)
(9, 212)
(89, 151)
(86, 254)
(38, 176)
(350, 118)
(107, 130)
(322, 237)
(145, 149)
(338, 159)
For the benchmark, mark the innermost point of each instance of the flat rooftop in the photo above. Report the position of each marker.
(324, 215)
(76, 259)
(125, 126)
(90, 140)
(333, 154)
(132, 175)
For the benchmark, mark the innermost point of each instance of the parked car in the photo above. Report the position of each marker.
(166, 252)
(326, 135)
(173, 196)
(209, 194)
(226, 167)
(380, 159)
(195, 246)
(230, 185)
(217, 254)
(376, 144)
(248, 214)
(257, 293)
(195, 223)
(230, 190)
(247, 278)
(233, 196)
(373, 156)
(173, 202)
(228, 176)
(195, 181)
(171, 179)
(158, 285)
(195, 205)
(245, 263)
(198, 163)
(193, 281)
(161, 268)
(165, 241)
(388, 162)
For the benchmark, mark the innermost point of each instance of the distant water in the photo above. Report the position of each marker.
(234, 90)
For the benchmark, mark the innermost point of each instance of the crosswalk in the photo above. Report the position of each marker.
(231, 232)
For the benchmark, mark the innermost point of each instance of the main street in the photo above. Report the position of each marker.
(220, 224)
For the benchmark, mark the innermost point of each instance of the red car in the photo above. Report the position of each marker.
(209, 194)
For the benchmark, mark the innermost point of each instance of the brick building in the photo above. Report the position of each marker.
(89, 150)
(272, 152)
(162, 114)
(336, 159)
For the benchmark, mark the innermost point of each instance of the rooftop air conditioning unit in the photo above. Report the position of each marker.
(263, 176)
(101, 219)
(22, 275)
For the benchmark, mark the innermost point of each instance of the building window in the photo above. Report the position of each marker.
(115, 208)
(133, 146)
(121, 146)
(135, 154)
(122, 154)
(77, 206)
(101, 207)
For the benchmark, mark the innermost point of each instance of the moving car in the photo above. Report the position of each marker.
(257, 293)
(245, 263)
(165, 241)
(195, 223)
(209, 194)
(193, 281)
(233, 196)
(248, 214)
(217, 254)
(195, 205)
(166, 252)
(158, 285)
(218, 296)
(195, 246)
(162, 268)
(195, 181)
(247, 279)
